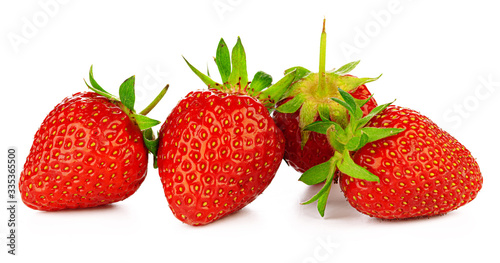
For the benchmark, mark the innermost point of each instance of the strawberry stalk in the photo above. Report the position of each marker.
(310, 92)
(233, 71)
(322, 62)
(126, 102)
(344, 140)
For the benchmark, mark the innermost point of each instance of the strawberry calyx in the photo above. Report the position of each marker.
(126, 102)
(344, 140)
(311, 92)
(233, 71)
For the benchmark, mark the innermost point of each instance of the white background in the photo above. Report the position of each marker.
(438, 57)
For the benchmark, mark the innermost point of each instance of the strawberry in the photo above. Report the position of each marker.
(219, 148)
(403, 164)
(308, 101)
(422, 171)
(88, 151)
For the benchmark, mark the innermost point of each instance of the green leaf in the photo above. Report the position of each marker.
(373, 113)
(343, 103)
(361, 102)
(96, 87)
(316, 174)
(324, 112)
(155, 101)
(223, 60)
(261, 80)
(322, 126)
(151, 144)
(349, 83)
(207, 80)
(292, 105)
(349, 167)
(375, 134)
(308, 113)
(93, 82)
(301, 72)
(239, 63)
(144, 122)
(349, 99)
(127, 93)
(356, 142)
(347, 68)
(277, 90)
(337, 137)
(325, 190)
(322, 200)
(150, 141)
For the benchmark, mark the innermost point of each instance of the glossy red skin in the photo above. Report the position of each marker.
(423, 171)
(317, 149)
(217, 153)
(87, 152)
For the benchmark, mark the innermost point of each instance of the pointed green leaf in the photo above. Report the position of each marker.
(317, 174)
(155, 102)
(322, 200)
(356, 142)
(144, 122)
(347, 68)
(349, 167)
(239, 65)
(349, 99)
(337, 137)
(260, 81)
(375, 134)
(127, 93)
(223, 60)
(96, 88)
(301, 72)
(150, 141)
(325, 190)
(349, 83)
(151, 144)
(346, 105)
(322, 126)
(93, 82)
(324, 112)
(308, 113)
(373, 113)
(292, 105)
(105, 94)
(362, 102)
(275, 93)
(207, 80)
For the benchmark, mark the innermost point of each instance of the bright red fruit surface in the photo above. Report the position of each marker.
(87, 152)
(423, 170)
(217, 153)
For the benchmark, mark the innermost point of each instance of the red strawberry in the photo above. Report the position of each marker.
(423, 171)
(89, 151)
(404, 165)
(309, 100)
(219, 149)
(317, 149)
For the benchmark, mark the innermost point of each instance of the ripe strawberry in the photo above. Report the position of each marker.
(89, 151)
(219, 148)
(309, 100)
(423, 171)
(404, 165)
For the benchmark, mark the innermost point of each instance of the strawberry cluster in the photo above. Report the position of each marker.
(221, 147)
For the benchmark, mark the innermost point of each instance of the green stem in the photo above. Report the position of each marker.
(322, 58)
(155, 101)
